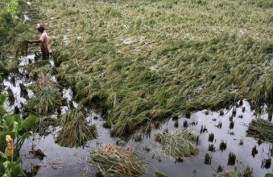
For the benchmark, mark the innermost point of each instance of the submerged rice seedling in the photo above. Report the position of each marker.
(178, 144)
(119, 161)
(75, 129)
(261, 129)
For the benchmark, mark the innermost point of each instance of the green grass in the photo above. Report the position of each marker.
(141, 61)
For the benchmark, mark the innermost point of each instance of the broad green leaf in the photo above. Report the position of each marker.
(2, 99)
(11, 118)
(2, 155)
(269, 175)
(234, 172)
(28, 122)
(6, 164)
(2, 110)
(16, 169)
(158, 174)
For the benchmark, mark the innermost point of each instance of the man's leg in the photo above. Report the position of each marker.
(45, 55)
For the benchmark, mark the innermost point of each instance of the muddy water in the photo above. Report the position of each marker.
(62, 162)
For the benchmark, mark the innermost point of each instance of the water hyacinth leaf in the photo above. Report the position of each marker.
(3, 156)
(2, 110)
(158, 174)
(28, 122)
(269, 175)
(10, 119)
(234, 172)
(2, 99)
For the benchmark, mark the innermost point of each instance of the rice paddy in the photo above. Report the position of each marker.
(140, 61)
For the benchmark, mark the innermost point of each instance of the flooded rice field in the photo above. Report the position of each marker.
(222, 140)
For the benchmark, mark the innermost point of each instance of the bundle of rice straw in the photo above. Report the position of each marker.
(261, 129)
(119, 161)
(22, 49)
(178, 144)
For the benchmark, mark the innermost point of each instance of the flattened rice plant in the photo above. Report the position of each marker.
(178, 144)
(75, 129)
(45, 101)
(138, 63)
(119, 161)
(261, 129)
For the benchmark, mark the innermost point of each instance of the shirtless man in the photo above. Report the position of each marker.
(43, 40)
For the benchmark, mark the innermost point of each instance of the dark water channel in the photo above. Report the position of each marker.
(74, 162)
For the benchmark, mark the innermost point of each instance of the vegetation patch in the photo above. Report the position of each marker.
(47, 96)
(178, 144)
(261, 129)
(75, 129)
(117, 161)
(138, 64)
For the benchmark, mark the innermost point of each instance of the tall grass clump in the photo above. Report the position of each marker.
(261, 129)
(138, 65)
(120, 161)
(178, 144)
(75, 130)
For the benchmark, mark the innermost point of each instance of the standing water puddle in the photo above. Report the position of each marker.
(214, 129)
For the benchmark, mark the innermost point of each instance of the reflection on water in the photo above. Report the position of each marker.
(220, 134)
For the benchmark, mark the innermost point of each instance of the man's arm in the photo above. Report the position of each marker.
(34, 42)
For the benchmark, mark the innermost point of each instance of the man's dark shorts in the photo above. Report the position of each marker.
(45, 55)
